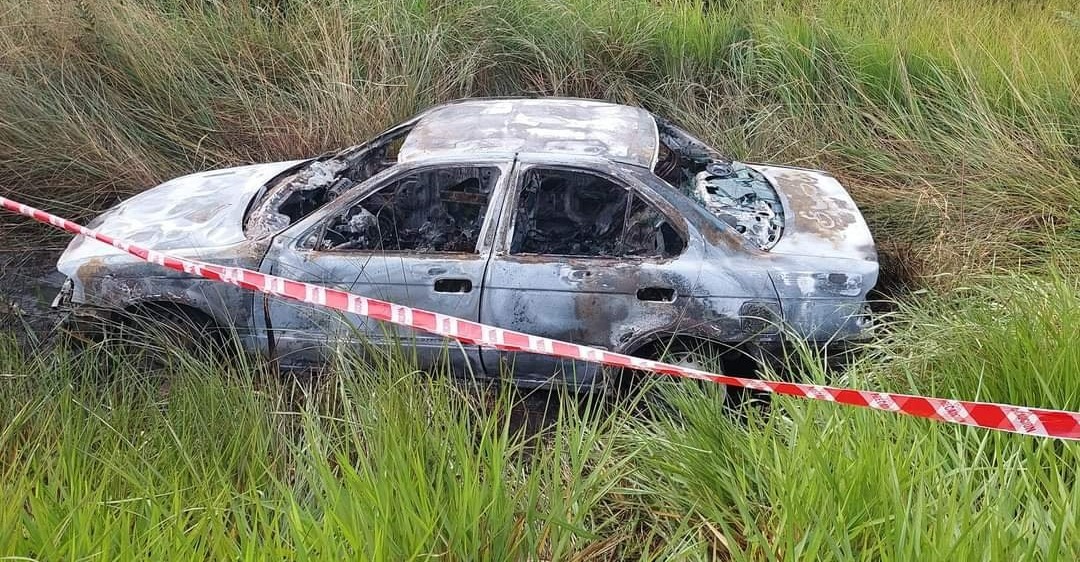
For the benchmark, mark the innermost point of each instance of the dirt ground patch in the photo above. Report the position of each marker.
(29, 280)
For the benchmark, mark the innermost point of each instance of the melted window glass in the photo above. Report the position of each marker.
(289, 198)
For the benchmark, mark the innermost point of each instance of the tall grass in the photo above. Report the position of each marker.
(380, 461)
(815, 481)
(955, 124)
(223, 464)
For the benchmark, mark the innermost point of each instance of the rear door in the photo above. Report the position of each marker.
(586, 257)
(415, 238)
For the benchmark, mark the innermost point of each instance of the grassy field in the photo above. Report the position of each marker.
(379, 461)
(956, 125)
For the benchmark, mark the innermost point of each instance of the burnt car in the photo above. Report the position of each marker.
(582, 220)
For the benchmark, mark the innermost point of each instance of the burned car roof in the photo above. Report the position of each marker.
(552, 126)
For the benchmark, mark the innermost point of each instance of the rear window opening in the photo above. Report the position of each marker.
(731, 191)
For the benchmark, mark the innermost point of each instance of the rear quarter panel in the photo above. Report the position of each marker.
(823, 299)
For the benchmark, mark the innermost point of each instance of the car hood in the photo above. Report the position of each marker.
(197, 211)
(820, 218)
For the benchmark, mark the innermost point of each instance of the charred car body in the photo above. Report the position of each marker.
(581, 220)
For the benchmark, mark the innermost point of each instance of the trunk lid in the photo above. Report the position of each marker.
(820, 218)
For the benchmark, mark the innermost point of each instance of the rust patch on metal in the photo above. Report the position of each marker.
(813, 212)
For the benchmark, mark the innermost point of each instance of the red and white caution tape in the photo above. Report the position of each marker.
(1002, 417)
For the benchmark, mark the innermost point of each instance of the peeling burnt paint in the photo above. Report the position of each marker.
(824, 221)
(611, 228)
(816, 211)
(571, 127)
(822, 284)
(115, 283)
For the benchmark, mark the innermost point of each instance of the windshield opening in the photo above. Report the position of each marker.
(731, 191)
(291, 197)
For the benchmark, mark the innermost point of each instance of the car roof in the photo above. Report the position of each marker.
(555, 126)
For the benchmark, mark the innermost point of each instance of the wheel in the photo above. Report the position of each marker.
(654, 391)
(161, 335)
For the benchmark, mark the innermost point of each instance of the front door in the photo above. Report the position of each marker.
(415, 239)
(581, 257)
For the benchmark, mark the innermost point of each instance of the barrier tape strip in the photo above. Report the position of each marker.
(1002, 417)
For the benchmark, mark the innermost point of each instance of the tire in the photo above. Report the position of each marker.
(698, 354)
(161, 335)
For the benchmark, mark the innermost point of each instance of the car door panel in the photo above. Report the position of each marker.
(424, 276)
(601, 301)
(306, 334)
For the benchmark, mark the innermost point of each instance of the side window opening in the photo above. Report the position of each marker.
(567, 213)
(648, 233)
(439, 210)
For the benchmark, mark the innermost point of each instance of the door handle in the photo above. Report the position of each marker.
(656, 294)
(453, 285)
